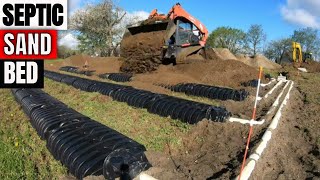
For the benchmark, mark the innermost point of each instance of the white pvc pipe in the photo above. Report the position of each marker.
(276, 102)
(257, 93)
(270, 82)
(255, 156)
(302, 69)
(245, 121)
(274, 88)
(144, 176)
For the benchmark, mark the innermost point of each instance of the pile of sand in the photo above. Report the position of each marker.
(224, 53)
(76, 60)
(257, 61)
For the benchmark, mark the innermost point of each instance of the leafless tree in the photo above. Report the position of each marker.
(98, 28)
(254, 38)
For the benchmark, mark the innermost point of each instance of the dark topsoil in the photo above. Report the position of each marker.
(142, 52)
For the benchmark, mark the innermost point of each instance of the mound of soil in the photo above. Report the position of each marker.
(206, 143)
(84, 62)
(228, 73)
(142, 52)
(208, 53)
(312, 66)
(225, 53)
(257, 61)
(77, 60)
(105, 64)
(196, 56)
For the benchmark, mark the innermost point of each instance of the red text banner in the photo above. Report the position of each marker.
(28, 44)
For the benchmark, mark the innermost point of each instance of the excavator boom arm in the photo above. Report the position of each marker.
(296, 52)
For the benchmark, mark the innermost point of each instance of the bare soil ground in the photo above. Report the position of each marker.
(229, 73)
(212, 72)
(214, 150)
(84, 62)
(294, 151)
(312, 66)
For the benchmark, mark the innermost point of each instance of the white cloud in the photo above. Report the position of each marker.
(140, 14)
(129, 19)
(135, 16)
(69, 40)
(302, 12)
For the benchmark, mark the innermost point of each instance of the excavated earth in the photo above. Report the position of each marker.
(294, 150)
(212, 72)
(257, 61)
(97, 64)
(142, 52)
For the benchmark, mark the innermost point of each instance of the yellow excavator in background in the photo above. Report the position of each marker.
(298, 55)
(295, 55)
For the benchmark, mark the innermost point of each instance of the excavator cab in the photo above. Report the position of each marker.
(186, 33)
(307, 56)
(184, 41)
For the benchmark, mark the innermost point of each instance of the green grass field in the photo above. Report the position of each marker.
(23, 155)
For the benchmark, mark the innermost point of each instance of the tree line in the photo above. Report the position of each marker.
(253, 41)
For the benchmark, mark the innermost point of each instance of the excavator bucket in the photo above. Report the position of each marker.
(185, 52)
(148, 28)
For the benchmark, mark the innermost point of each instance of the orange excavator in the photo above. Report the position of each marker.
(186, 23)
(183, 34)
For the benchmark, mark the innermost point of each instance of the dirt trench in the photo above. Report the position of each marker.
(213, 150)
(293, 152)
